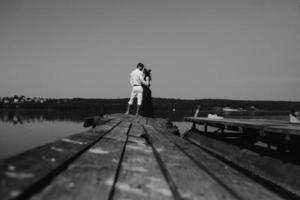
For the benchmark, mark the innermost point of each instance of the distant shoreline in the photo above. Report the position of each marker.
(159, 104)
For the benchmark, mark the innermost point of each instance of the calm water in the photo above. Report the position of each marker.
(21, 130)
(24, 129)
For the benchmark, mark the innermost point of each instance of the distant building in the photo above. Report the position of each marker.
(230, 109)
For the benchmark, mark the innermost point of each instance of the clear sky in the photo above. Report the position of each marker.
(233, 49)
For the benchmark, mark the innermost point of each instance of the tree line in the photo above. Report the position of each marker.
(118, 105)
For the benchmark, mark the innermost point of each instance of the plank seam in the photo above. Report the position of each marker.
(112, 191)
(164, 169)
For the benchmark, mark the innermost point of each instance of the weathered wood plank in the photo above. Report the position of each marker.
(284, 175)
(140, 176)
(185, 178)
(289, 129)
(267, 125)
(136, 130)
(92, 175)
(240, 186)
(230, 122)
(274, 121)
(23, 174)
(120, 132)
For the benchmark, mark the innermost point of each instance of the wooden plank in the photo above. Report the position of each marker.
(230, 122)
(284, 175)
(274, 121)
(185, 178)
(120, 132)
(258, 122)
(140, 177)
(23, 174)
(287, 128)
(238, 184)
(136, 130)
(107, 125)
(92, 175)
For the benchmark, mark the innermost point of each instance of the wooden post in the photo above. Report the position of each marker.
(193, 126)
(197, 111)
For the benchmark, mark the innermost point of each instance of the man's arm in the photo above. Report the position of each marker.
(143, 81)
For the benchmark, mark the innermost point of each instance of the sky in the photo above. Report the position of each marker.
(225, 49)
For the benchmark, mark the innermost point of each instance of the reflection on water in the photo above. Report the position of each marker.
(32, 116)
(21, 130)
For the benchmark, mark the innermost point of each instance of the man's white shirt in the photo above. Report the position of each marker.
(136, 77)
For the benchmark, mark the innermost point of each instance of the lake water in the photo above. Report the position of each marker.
(21, 130)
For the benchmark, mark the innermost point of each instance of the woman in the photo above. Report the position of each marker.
(147, 105)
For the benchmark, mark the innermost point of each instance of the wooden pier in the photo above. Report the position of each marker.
(268, 149)
(279, 133)
(127, 157)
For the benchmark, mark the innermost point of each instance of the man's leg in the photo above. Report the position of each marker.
(137, 110)
(139, 102)
(128, 109)
(130, 102)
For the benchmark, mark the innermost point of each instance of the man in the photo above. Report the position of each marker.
(136, 81)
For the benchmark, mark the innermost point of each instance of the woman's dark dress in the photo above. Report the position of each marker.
(147, 104)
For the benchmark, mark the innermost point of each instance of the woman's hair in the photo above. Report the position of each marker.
(140, 65)
(147, 73)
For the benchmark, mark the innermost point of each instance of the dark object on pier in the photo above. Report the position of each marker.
(93, 121)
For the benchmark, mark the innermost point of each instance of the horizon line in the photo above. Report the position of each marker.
(171, 98)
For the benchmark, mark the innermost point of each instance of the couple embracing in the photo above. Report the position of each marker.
(140, 79)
